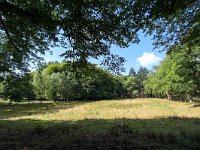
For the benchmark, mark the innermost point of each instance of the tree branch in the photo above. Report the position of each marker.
(35, 18)
(172, 7)
(8, 34)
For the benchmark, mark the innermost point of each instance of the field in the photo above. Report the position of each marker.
(106, 124)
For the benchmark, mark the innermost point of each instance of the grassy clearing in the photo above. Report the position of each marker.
(114, 124)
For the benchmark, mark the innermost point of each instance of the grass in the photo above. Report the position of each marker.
(113, 124)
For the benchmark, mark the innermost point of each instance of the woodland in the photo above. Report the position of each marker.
(75, 104)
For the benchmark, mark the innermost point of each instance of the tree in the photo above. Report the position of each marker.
(39, 85)
(178, 75)
(174, 22)
(122, 90)
(60, 82)
(103, 85)
(9, 57)
(53, 83)
(16, 88)
(132, 72)
(89, 27)
(130, 85)
(71, 87)
(27, 86)
(140, 78)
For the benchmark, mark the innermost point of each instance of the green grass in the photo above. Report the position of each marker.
(113, 124)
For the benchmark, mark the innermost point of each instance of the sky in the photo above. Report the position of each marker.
(136, 55)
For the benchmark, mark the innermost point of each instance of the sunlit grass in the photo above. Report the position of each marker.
(113, 109)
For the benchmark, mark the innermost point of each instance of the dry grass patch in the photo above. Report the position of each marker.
(106, 124)
(113, 109)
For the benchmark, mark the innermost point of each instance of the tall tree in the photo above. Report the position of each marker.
(132, 72)
(140, 78)
(130, 85)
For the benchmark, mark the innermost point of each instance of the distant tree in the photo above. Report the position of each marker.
(122, 90)
(28, 89)
(131, 86)
(61, 82)
(16, 88)
(71, 87)
(140, 78)
(132, 72)
(39, 85)
(53, 83)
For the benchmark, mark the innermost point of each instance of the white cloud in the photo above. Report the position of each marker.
(148, 59)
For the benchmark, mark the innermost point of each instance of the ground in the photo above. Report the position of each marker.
(106, 124)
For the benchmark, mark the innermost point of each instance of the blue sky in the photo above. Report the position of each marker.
(136, 55)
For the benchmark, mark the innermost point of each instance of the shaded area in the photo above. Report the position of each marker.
(28, 109)
(160, 133)
(196, 105)
(196, 102)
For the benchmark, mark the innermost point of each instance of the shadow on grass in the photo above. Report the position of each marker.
(160, 133)
(196, 105)
(28, 109)
(197, 102)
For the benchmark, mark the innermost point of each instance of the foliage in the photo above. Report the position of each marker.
(1, 89)
(176, 78)
(88, 28)
(132, 85)
(178, 75)
(15, 88)
(132, 72)
(140, 78)
(61, 82)
(9, 58)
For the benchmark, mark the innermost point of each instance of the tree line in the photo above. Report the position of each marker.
(61, 81)
(176, 78)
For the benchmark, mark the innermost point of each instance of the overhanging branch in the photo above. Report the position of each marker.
(8, 34)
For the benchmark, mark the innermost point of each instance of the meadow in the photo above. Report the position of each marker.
(106, 124)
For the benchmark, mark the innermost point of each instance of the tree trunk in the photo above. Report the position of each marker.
(169, 95)
(189, 98)
(10, 102)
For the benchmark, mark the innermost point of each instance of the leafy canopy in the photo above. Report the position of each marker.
(87, 28)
